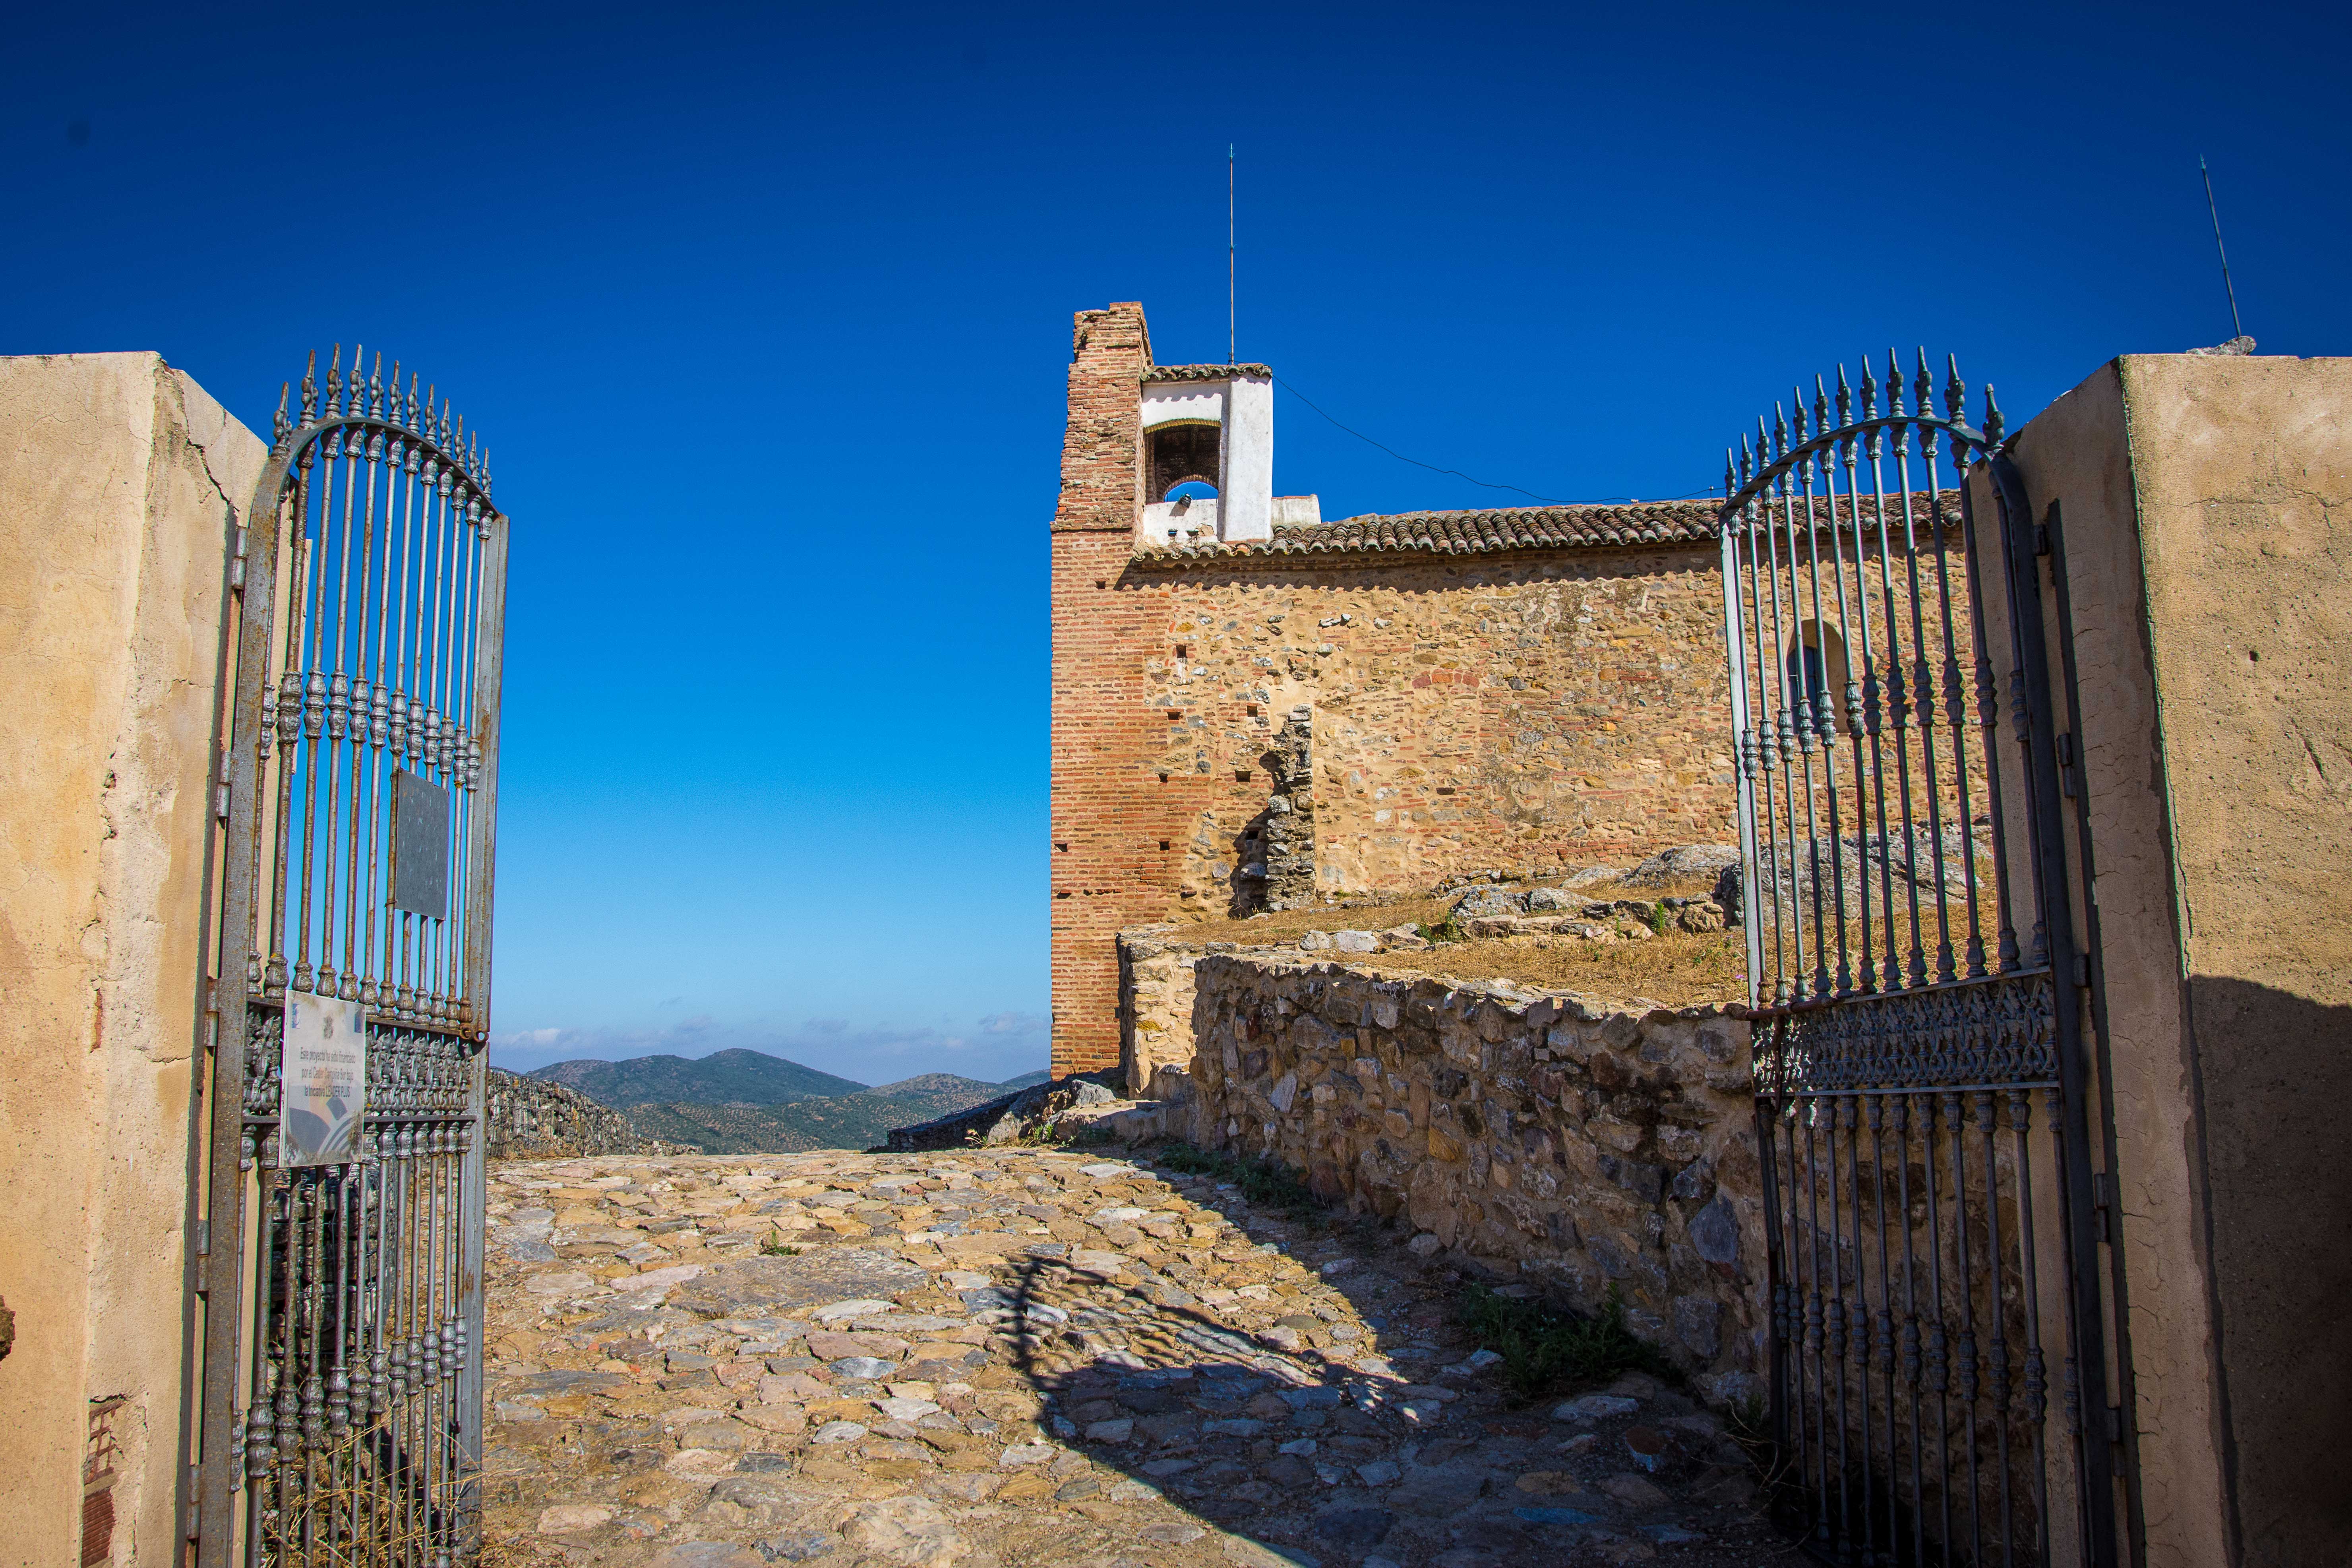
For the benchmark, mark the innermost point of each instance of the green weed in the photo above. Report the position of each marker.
(1546, 1351)
(1447, 929)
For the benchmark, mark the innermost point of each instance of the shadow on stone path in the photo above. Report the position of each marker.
(1032, 1357)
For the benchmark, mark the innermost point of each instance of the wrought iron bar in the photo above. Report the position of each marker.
(333, 1396)
(1894, 1013)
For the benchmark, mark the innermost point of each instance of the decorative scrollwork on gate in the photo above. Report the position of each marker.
(1991, 1032)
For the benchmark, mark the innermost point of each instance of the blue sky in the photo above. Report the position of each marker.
(765, 314)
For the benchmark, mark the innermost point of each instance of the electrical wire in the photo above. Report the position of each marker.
(1456, 473)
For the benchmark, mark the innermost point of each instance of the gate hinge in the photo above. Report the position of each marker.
(2115, 1423)
(220, 800)
(2082, 971)
(196, 1501)
(237, 564)
(203, 1238)
(2067, 777)
(2103, 1205)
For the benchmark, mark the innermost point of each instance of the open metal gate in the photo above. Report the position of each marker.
(1938, 1380)
(340, 1210)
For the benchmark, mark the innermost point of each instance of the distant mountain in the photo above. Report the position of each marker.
(721, 1077)
(858, 1121)
(1042, 1075)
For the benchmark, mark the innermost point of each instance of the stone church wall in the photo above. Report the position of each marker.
(1466, 714)
(1461, 708)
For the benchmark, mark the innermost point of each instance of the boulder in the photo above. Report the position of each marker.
(1007, 1119)
(1488, 902)
(1684, 863)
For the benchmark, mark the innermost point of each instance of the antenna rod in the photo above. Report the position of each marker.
(1229, 253)
(2237, 328)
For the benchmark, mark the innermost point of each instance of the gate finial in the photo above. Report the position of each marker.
(1923, 385)
(375, 386)
(1893, 385)
(1869, 391)
(1993, 422)
(1956, 391)
(335, 382)
(1845, 398)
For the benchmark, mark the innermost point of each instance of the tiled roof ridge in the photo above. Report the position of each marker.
(1205, 371)
(1591, 525)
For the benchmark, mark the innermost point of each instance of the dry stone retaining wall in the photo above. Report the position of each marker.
(1576, 1146)
(1155, 1003)
(531, 1119)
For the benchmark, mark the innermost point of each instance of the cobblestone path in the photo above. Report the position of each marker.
(1031, 1357)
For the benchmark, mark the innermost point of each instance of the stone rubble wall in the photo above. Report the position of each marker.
(1286, 842)
(531, 1119)
(1545, 1136)
(1155, 1002)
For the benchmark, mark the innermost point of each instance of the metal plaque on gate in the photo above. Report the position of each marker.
(420, 845)
(323, 1075)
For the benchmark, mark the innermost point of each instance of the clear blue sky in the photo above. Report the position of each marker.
(764, 313)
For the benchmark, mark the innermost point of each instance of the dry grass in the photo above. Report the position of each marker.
(1289, 925)
(1677, 969)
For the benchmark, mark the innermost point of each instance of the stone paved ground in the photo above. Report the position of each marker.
(1031, 1357)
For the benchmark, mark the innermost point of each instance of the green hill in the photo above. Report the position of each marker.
(856, 1121)
(723, 1078)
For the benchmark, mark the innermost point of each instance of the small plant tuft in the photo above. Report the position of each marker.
(1447, 929)
(777, 1247)
(1660, 922)
(1546, 1351)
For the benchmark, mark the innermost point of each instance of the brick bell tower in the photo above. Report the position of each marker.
(1137, 432)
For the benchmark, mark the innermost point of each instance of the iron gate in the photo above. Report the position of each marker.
(341, 1243)
(1936, 1326)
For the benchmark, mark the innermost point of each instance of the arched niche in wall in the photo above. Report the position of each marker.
(1815, 665)
(1181, 452)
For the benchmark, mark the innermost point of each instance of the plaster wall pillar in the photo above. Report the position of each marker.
(117, 473)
